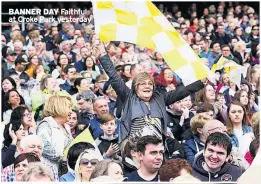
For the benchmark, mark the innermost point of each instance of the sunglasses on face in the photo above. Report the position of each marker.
(86, 161)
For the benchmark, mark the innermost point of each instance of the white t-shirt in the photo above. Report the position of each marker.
(244, 140)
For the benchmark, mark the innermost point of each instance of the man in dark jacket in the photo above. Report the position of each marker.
(20, 64)
(220, 36)
(80, 65)
(212, 165)
(179, 120)
(69, 72)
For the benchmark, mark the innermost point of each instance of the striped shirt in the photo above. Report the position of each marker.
(146, 126)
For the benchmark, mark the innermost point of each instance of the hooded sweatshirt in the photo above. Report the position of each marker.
(104, 144)
(227, 172)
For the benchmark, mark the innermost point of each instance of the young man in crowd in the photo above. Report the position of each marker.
(213, 164)
(20, 64)
(69, 72)
(150, 153)
(9, 58)
(108, 141)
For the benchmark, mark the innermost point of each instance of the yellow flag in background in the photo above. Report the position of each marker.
(142, 23)
(85, 136)
(233, 69)
(223, 62)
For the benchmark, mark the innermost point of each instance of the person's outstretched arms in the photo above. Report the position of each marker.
(182, 92)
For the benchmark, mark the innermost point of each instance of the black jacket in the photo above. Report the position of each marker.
(174, 125)
(127, 167)
(104, 144)
(22, 76)
(227, 172)
(225, 39)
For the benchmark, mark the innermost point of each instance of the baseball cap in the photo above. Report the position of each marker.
(11, 52)
(20, 60)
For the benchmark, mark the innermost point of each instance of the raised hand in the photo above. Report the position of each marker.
(12, 135)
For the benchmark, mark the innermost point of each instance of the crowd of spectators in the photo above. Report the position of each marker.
(61, 80)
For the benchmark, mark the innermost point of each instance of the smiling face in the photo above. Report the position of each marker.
(215, 156)
(14, 98)
(31, 51)
(20, 170)
(35, 60)
(168, 75)
(144, 90)
(210, 93)
(6, 85)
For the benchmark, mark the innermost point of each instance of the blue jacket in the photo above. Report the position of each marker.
(67, 177)
(192, 147)
(8, 155)
(211, 59)
(96, 129)
(233, 138)
(68, 87)
(23, 75)
(79, 66)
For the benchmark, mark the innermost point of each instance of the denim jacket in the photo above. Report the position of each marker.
(234, 139)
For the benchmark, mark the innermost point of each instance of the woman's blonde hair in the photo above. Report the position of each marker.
(91, 153)
(141, 77)
(57, 106)
(256, 124)
(34, 33)
(238, 45)
(44, 80)
(101, 169)
(38, 170)
(198, 121)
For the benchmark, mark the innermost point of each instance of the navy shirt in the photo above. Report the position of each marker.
(134, 176)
